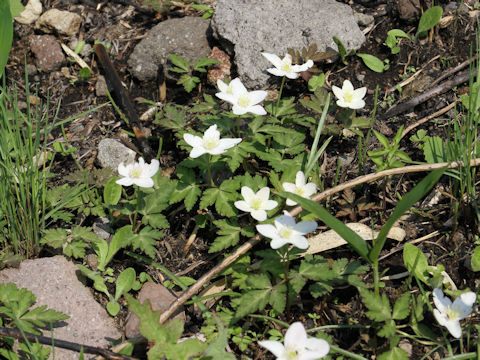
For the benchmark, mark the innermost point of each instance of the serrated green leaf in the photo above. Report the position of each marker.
(75, 249)
(401, 308)
(259, 281)
(394, 354)
(277, 298)
(202, 63)
(317, 268)
(229, 235)
(316, 81)
(378, 306)
(54, 237)
(84, 233)
(252, 301)
(145, 240)
(189, 82)
(180, 62)
(216, 348)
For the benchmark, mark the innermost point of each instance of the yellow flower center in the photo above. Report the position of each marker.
(243, 100)
(229, 90)
(210, 143)
(300, 192)
(285, 232)
(348, 96)
(256, 203)
(286, 67)
(452, 313)
(136, 172)
(292, 354)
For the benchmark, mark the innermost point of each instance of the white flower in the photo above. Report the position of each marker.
(348, 97)
(138, 173)
(226, 88)
(448, 314)
(242, 100)
(300, 188)
(256, 204)
(297, 345)
(284, 67)
(287, 231)
(210, 143)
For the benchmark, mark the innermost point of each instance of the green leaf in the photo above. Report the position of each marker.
(358, 244)
(75, 249)
(316, 81)
(124, 282)
(378, 306)
(201, 64)
(186, 189)
(252, 301)
(113, 308)
(121, 239)
(429, 19)
(112, 192)
(415, 262)
(475, 263)
(145, 240)
(229, 232)
(189, 82)
(401, 308)
(216, 348)
(180, 62)
(6, 33)
(418, 192)
(394, 354)
(54, 237)
(372, 62)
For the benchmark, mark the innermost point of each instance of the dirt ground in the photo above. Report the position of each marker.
(443, 49)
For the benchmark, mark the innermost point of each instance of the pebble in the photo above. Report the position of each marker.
(60, 21)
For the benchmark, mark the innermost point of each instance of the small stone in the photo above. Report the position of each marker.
(364, 19)
(31, 70)
(66, 72)
(60, 21)
(112, 152)
(31, 13)
(101, 86)
(101, 227)
(160, 299)
(451, 6)
(406, 346)
(92, 261)
(219, 71)
(408, 10)
(48, 53)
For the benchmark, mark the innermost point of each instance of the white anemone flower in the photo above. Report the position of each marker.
(348, 97)
(226, 88)
(448, 314)
(297, 346)
(287, 231)
(257, 204)
(243, 101)
(138, 173)
(284, 67)
(301, 188)
(210, 143)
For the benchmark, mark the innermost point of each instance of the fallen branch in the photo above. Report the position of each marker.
(107, 354)
(440, 89)
(200, 283)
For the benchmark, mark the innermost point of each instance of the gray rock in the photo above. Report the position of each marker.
(250, 27)
(112, 152)
(31, 13)
(101, 86)
(160, 299)
(364, 19)
(48, 53)
(54, 283)
(60, 21)
(186, 37)
(101, 227)
(31, 70)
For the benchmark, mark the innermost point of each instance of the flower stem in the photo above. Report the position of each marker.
(286, 265)
(134, 224)
(209, 169)
(279, 96)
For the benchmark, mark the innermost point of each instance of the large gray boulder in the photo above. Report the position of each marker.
(186, 37)
(249, 27)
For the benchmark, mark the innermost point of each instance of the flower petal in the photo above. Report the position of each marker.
(290, 202)
(360, 92)
(152, 168)
(295, 335)
(270, 204)
(227, 97)
(227, 143)
(441, 301)
(290, 187)
(257, 110)
(239, 110)
(123, 170)
(276, 72)
(143, 182)
(338, 92)
(286, 220)
(264, 193)
(248, 194)
(275, 347)
(347, 86)
(316, 349)
(222, 86)
(267, 230)
(238, 88)
(274, 59)
(126, 181)
(197, 151)
(300, 179)
(212, 132)
(453, 326)
(277, 243)
(260, 215)
(242, 205)
(305, 227)
(299, 241)
(468, 298)
(192, 140)
(309, 189)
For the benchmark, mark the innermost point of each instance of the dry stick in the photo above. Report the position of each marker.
(427, 118)
(107, 354)
(187, 294)
(123, 100)
(454, 70)
(447, 85)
